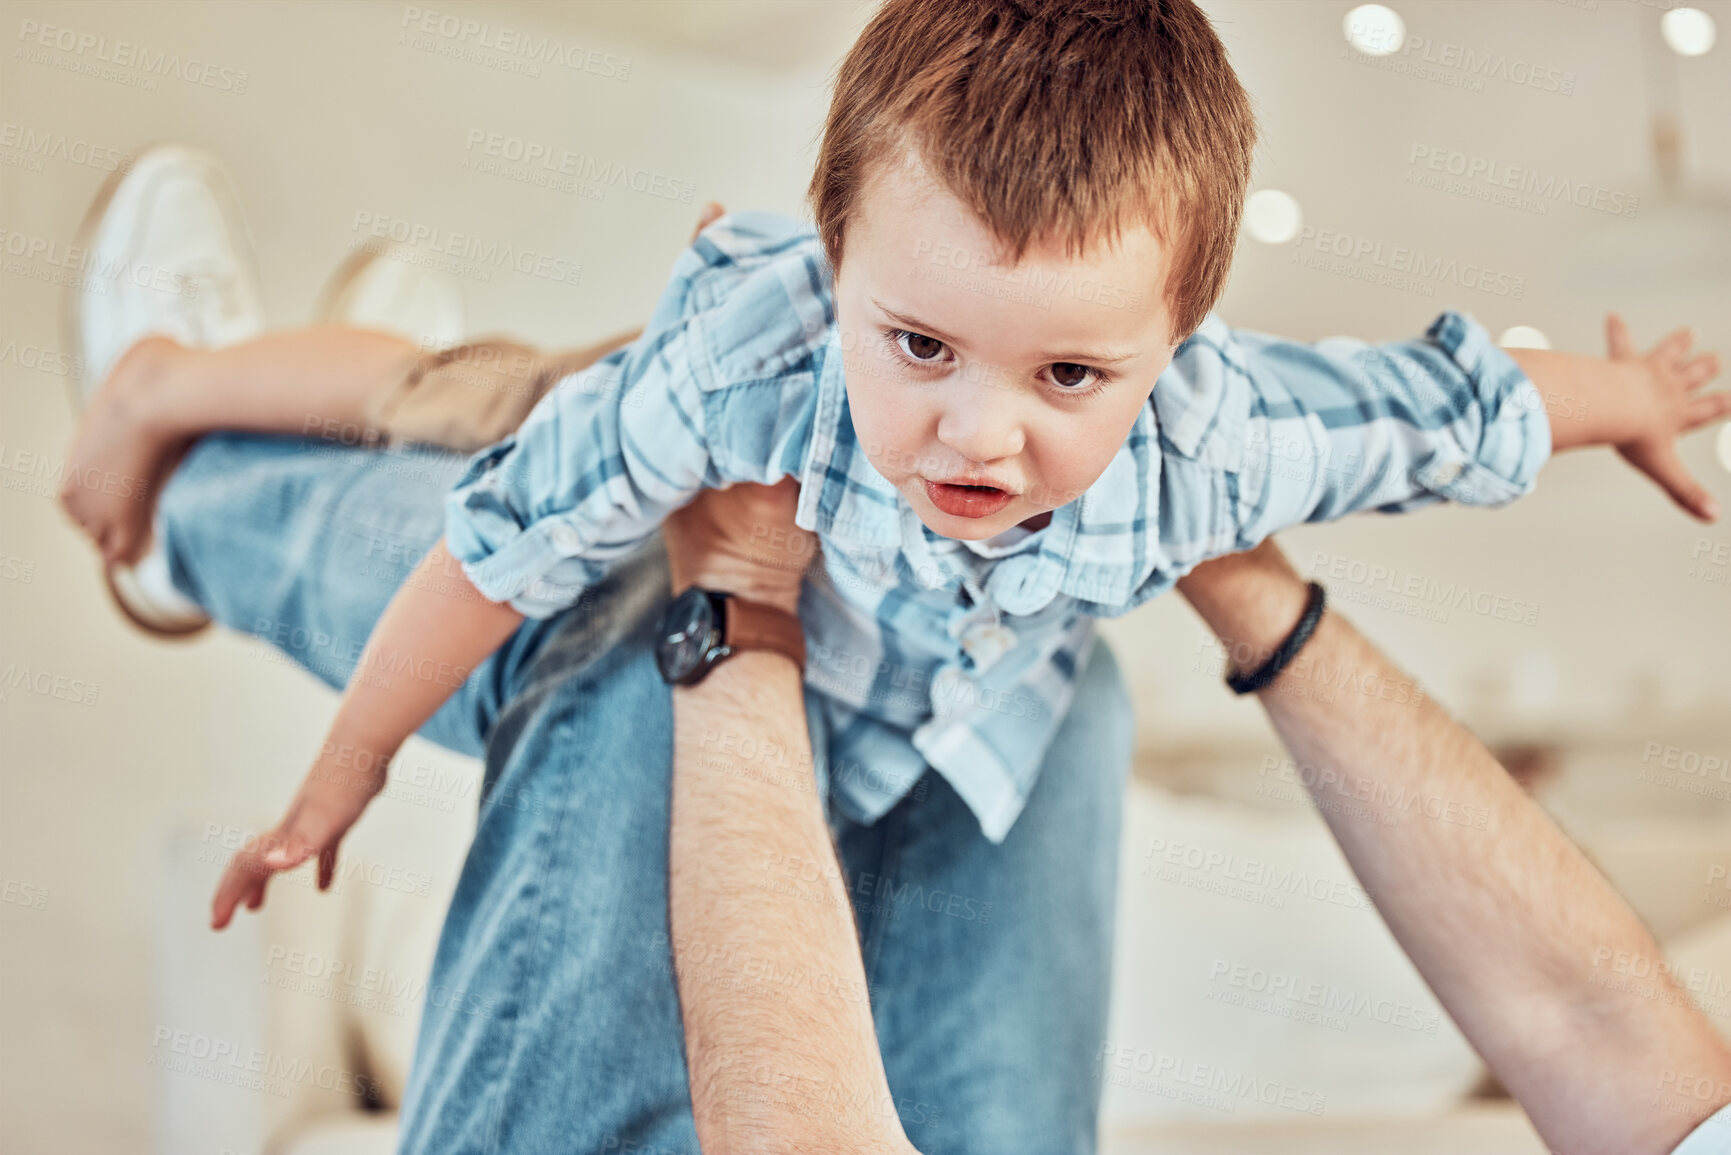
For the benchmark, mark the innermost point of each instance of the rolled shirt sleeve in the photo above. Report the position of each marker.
(538, 517)
(1342, 425)
(1712, 1137)
(720, 388)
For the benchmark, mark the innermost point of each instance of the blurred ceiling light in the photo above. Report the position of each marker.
(1675, 252)
(1725, 446)
(1272, 217)
(1523, 337)
(1375, 30)
(1689, 31)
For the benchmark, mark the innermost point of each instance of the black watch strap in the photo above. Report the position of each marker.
(1242, 683)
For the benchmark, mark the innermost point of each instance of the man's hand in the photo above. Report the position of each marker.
(741, 539)
(1667, 383)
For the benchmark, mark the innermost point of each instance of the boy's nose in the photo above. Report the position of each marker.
(982, 424)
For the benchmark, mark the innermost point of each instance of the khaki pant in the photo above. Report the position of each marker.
(471, 395)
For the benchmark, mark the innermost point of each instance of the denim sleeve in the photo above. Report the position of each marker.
(1342, 425)
(539, 516)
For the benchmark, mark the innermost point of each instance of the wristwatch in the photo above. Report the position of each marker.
(702, 627)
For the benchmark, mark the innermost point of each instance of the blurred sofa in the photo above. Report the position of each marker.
(292, 1032)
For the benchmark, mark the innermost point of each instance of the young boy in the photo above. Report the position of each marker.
(993, 371)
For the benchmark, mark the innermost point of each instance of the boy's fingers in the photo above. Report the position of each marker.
(241, 882)
(222, 906)
(307, 829)
(1699, 370)
(1675, 344)
(1704, 409)
(327, 867)
(287, 854)
(710, 213)
(1617, 337)
(1662, 464)
(220, 911)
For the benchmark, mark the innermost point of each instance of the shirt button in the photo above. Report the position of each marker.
(949, 690)
(986, 642)
(566, 538)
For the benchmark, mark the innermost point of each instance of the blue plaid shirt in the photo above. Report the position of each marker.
(923, 650)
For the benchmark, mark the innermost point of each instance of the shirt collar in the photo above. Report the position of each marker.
(841, 495)
(1100, 548)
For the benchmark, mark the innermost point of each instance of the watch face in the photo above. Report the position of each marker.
(687, 631)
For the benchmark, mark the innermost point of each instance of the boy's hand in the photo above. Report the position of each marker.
(706, 216)
(336, 791)
(1668, 403)
(328, 803)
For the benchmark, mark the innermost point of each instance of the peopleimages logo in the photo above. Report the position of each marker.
(470, 255)
(1163, 1074)
(1485, 65)
(39, 144)
(524, 47)
(1487, 179)
(532, 154)
(1367, 258)
(153, 62)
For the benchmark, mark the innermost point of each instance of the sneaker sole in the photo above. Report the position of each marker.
(139, 612)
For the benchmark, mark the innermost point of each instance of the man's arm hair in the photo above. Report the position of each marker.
(1508, 922)
(755, 890)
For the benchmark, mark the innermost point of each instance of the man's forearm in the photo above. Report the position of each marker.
(1507, 921)
(755, 890)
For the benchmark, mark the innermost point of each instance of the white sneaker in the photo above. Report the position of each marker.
(381, 287)
(166, 251)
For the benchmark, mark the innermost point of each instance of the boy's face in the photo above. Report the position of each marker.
(1025, 380)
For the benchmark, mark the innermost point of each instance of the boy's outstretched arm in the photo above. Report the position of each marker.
(1271, 432)
(736, 832)
(439, 636)
(535, 521)
(1637, 403)
(1507, 921)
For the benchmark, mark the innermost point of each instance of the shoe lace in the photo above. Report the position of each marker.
(217, 290)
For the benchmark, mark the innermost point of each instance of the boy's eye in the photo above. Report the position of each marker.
(1069, 377)
(1069, 374)
(917, 346)
(1079, 380)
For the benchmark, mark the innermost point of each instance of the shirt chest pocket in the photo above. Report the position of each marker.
(862, 574)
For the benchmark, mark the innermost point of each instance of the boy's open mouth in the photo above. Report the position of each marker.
(967, 500)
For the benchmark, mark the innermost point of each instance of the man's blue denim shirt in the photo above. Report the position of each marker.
(962, 655)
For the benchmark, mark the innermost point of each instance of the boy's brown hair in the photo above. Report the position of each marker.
(1052, 118)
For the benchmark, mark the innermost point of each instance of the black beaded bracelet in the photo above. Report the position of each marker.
(1250, 683)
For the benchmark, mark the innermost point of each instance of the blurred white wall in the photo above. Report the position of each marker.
(343, 114)
(1630, 633)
